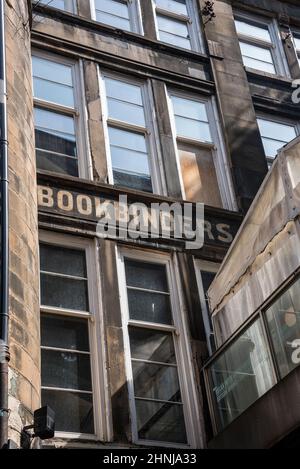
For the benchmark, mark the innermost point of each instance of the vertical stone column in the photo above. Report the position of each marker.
(24, 331)
(248, 160)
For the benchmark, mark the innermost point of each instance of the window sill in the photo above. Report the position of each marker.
(268, 76)
(80, 21)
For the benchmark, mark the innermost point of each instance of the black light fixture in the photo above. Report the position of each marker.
(43, 427)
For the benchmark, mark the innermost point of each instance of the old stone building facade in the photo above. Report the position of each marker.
(163, 101)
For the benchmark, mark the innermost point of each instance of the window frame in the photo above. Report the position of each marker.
(279, 120)
(200, 266)
(78, 113)
(185, 366)
(275, 47)
(193, 22)
(135, 16)
(217, 147)
(71, 9)
(150, 131)
(296, 35)
(95, 318)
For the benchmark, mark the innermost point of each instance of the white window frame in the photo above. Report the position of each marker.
(296, 34)
(151, 131)
(277, 120)
(182, 340)
(78, 113)
(200, 266)
(48, 3)
(192, 21)
(218, 148)
(135, 16)
(276, 48)
(98, 356)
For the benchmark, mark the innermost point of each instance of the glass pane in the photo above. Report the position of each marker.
(152, 345)
(130, 161)
(257, 32)
(53, 92)
(58, 124)
(123, 91)
(73, 411)
(150, 307)
(55, 145)
(157, 382)
(256, 52)
(52, 71)
(126, 112)
(276, 130)
(66, 5)
(297, 42)
(173, 32)
(64, 332)
(66, 370)
(193, 129)
(199, 175)
(258, 65)
(63, 260)
(126, 139)
(284, 325)
(132, 181)
(64, 293)
(114, 13)
(144, 275)
(176, 6)
(160, 422)
(241, 375)
(57, 163)
(272, 147)
(189, 109)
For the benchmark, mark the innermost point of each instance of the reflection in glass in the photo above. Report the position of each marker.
(173, 31)
(241, 374)
(284, 325)
(161, 422)
(73, 410)
(151, 345)
(256, 57)
(64, 332)
(55, 142)
(114, 13)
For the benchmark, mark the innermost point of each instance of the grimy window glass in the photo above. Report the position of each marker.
(241, 375)
(274, 136)
(128, 135)
(284, 325)
(196, 151)
(66, 362)
(55, 122)
(157, 395)
(67, 5)
(257, 45)
(174, 22)
(121, 14)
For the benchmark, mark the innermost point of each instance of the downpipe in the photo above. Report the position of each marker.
(4, 248)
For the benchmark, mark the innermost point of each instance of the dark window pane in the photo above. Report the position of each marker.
(150, 307)
(158, 382)
(66, 370)
(73, 411)
(145, 275)
(61, 260)
(160, 422)
(64, 332)
(133, 181)
(152, 345)
(53, 144)
(57, 163)
(64, 293)
(284, 325)
(241, 374)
